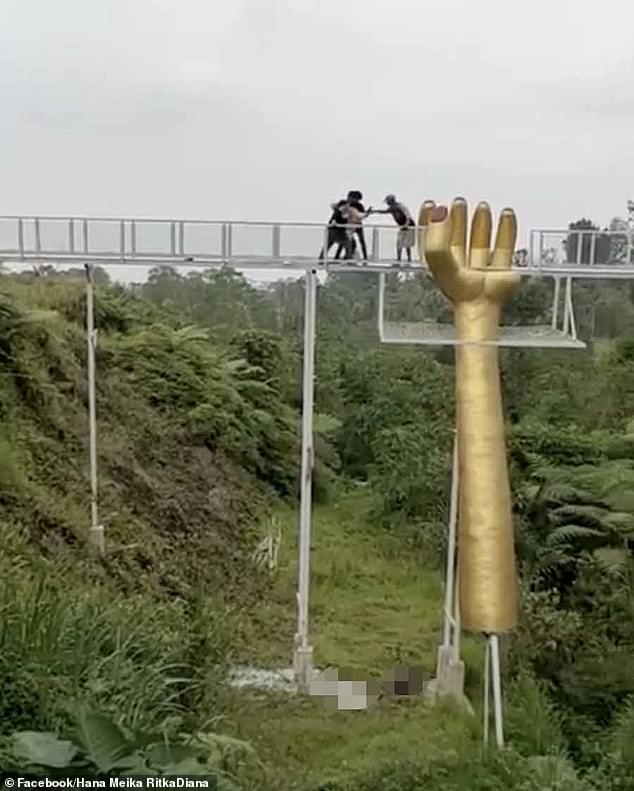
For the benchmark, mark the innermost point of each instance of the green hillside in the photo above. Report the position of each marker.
(122, 660)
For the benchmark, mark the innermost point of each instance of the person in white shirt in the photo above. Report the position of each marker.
(356, 213)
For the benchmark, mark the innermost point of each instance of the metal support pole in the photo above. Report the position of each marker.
(496, 683)
(229, 227)
(96, 533)
(566, 327)
(223, 243)
(323, 255)
(487, 692)
(38, 240)
(457, 625)
(450, 573)
(531, 249)
(570, 309)
(375, 248)
(21, 238)
(556, 300)
(303, 656)
(449, 669)
(173, 239)
(381, 305)
(276, 242)
(630, 232)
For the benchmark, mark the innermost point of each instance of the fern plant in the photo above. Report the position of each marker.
(221, 400)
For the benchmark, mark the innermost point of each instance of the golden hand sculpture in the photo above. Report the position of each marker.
(478, 281)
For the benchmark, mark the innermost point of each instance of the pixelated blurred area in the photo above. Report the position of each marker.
(345, 689)
(403, 681)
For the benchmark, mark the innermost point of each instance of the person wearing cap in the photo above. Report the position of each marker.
(406, 238)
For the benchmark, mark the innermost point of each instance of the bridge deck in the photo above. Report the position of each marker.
(276, 246)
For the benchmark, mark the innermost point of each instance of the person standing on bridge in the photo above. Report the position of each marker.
(406, 238)
(356, 213)
(337, 232)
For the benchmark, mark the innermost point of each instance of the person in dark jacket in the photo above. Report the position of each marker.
(337, 233)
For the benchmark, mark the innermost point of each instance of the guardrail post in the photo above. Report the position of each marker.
(21, 238)
(277, 242)
(223, 242)
(229, 240)
(122, 240)
(375, 252)
(172, 239)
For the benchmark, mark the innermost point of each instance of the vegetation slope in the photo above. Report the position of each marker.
(198, 401)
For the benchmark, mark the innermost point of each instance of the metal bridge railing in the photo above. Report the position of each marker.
(581, 248)
(155, 242)
(78, 238)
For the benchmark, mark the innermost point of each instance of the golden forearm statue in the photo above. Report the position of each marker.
(478, 280)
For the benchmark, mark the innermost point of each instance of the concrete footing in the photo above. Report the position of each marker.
(303, 668)
(449, 680)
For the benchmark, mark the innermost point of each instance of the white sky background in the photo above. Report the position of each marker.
(271, 109)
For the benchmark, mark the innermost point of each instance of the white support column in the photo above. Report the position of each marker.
(630, 233)
(567, 302)
(496, 683)
(96, 533)
(556, 301)
(375, 247)
(487, 692)
(303, 655)
(381, 306)
(570, 308)
(449, 668)
(450, 572)
(457, 629)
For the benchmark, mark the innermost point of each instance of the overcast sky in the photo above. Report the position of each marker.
(270, 109)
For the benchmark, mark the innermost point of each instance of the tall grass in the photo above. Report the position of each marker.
(63, 642)
(528, 702)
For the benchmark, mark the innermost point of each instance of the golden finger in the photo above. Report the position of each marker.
(423, 220)
(425, 211)
(444, 266)
(458, 241)
(437, 234)
(480, 237)
(505, 239)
